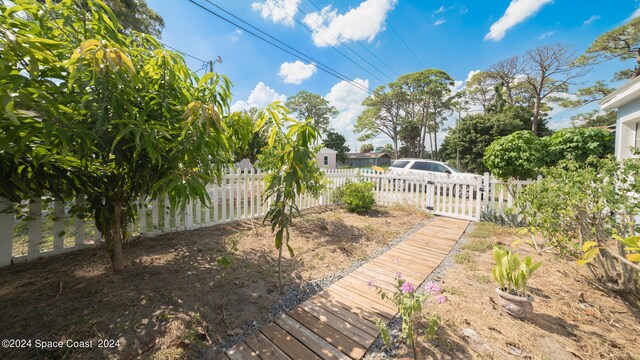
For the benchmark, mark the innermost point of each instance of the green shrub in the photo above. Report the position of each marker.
(589, 210)
(358, 196)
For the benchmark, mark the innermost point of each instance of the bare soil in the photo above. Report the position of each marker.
(174, 299)
(572, 318)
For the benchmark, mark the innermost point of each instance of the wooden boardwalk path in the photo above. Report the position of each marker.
(338, 323)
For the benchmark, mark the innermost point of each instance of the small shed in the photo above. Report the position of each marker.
(368, 159)
(627, 130)
(326, 158)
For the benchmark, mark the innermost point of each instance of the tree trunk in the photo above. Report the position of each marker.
(117, 258)
(536, 115)
(395, 148)
(435, 145)
(280, 268)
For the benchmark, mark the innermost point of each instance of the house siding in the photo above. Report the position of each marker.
(331, 157)
(628, 116)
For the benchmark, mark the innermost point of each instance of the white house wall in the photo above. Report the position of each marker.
(628, 116)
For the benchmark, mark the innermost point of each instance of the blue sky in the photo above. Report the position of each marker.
(456, 36)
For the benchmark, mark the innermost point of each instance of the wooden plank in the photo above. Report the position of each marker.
(310, 339)
(385, 283)
(287, 343)
(329, 334)
(240, 352)
(351, 330)
(389, 276)
(265, 348)
(357, 303)
(423, 255)
(351, 305)
(432, 254)
(407, 265)
(351, 285)
(431, 249)
(362, 323)
(428, 247)
(427, 257)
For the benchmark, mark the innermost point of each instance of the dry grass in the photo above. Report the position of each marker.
(176, 299)
(572, 320)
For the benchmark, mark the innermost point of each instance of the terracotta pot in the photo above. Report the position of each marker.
(518, 306)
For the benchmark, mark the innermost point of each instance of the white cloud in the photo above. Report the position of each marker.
(260, 96)
(471, 73)
(634, 15)
(361, 23)
(236, 35)
(545, 35)
(591, 19)
(517, 12)
(296, 72)
(457, 86)
(278, 11)
(439, 22)
(348, 100)
(443, 9)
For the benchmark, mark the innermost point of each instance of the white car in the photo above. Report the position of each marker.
(421, 166)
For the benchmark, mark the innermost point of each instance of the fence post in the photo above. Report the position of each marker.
(155, 216)
(58, 225)
(486, 186)
(143, 216)
(35, 226)
(167, 214)
(6, 232)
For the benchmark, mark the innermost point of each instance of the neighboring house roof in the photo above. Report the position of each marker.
(366, 155)
(622, 96)
(327, 151)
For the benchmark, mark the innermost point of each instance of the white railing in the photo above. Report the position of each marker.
(48, 228)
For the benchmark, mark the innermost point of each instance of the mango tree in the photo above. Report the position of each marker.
(88, 110)
(292, 171)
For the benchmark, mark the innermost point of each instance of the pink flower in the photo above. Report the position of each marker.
(399, 275)
(441, 299)
(407, 287)
(370, 283)
(396, 261)
(432, 288)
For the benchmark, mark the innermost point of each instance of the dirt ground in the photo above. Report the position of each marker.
(174, 299)
(572, 320)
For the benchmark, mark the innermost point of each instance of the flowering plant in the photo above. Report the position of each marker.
(409, 303)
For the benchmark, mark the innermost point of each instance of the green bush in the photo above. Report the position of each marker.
(358, 196)
(589, 210)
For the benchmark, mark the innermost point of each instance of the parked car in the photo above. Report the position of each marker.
(421, 166)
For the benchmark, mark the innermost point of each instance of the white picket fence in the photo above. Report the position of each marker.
(49, 230)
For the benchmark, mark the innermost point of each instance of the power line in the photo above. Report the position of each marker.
(405, 44)
(182, 52)
(335, 38)
(301, 55)
(362, 46)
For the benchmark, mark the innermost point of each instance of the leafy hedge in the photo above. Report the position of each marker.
(356, 197)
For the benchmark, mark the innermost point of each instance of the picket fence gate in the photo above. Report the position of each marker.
(49, 230)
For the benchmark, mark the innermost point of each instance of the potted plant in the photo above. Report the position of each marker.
(512, 275)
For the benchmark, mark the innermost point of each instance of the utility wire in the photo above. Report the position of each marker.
(182, 52)
(333, 46)
(362, 46)
(284, 46)
(405, 44)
